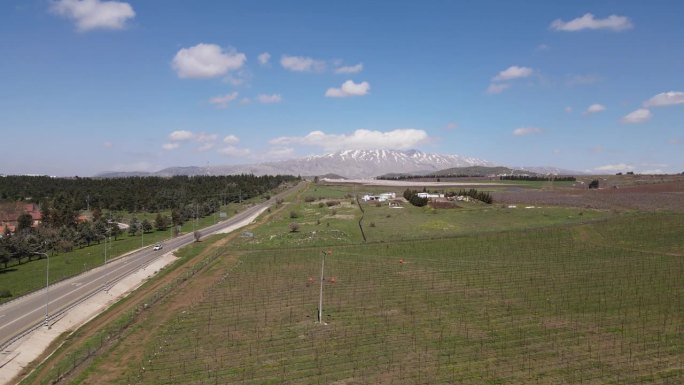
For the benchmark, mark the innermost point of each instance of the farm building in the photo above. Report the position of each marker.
(379, 198)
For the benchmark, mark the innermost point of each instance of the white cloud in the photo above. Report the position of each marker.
(206, 141)
(598, 149)
(107, 144)
(223, 101)
(231, 139)
(615, 167)
(234, 152)
(264, 58)
(170, 146)
(206, 61)
(513, 72)
(638, 116)
(612, 22)
(452, 126)
(568, 109)
(543, 47)
(497, 88)
(523, 131)
(349, 88)
(269, 99)
(349, 69)
(595, 108)
(301, 64)
(498, 84)
(94, 14)
(675, 141)
(360, 139)
(181, 135)
(665, 99)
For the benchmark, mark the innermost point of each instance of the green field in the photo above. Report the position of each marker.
(482, 294)
(546, 306)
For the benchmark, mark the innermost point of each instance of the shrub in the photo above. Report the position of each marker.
(294, 227)
(332, 203)
(4, 293)
(594, 184)
(418, 201)
(333, 212)
(321, 205)
(372, 224)
(309, 198)
(293, 214)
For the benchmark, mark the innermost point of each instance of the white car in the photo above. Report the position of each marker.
(157, 247)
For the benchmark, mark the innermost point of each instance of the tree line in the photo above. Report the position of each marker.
(134, 194)
(539, 178)
(481, 196)
(63, 199)
(414, 199)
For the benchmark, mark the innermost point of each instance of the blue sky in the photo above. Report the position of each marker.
(92, 86)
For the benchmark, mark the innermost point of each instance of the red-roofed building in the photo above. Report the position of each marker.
(10, 212)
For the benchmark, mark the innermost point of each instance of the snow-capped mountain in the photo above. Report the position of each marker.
(356, 164)
(348, 163)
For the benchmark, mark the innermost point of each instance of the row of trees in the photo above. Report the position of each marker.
(481, 196)
(134, 194)
(539, 178)
(429, 176)
(26, 243)
(414, 199)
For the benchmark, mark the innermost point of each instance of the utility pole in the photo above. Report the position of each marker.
(320, 298)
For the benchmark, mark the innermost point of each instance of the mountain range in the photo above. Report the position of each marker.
(347, 163)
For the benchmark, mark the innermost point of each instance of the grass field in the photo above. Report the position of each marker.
(483, 294)
(547, 306)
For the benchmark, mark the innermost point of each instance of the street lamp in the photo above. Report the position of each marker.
(47, 285)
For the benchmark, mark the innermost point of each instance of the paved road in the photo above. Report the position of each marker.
(25, 314)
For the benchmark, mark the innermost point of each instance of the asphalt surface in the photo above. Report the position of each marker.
(25, 314)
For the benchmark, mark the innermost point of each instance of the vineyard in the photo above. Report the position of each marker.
(479, 294)
(585, 304)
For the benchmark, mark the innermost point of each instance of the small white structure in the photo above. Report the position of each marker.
(384, 197)
(429, 195)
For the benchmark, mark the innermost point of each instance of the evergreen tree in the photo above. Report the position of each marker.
(146, 226)
(161, 222)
